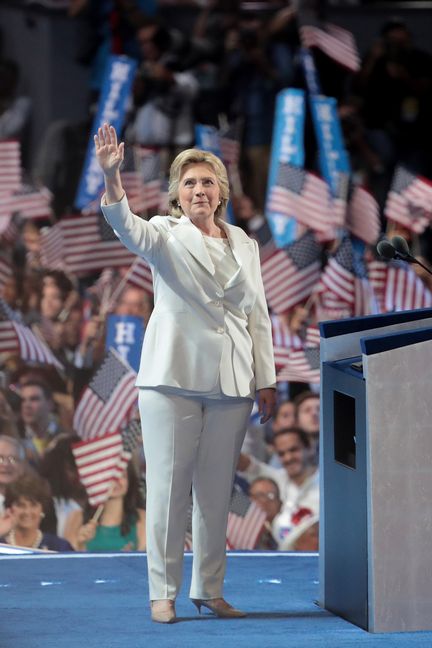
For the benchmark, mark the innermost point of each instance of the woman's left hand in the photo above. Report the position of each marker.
(266, 403)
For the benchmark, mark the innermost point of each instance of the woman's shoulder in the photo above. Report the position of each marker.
(55, 543)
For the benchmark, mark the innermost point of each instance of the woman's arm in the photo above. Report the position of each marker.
(141, 531)
(110, 155)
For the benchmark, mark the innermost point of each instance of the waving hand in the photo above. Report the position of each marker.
(109, 153)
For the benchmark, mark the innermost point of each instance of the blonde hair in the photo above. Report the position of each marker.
(196, 156)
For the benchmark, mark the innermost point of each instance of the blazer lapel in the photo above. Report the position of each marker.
(191, 238)
(241, 250)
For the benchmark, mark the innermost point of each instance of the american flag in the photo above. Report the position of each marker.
(10, 167)
(9, 231)
(339, 44)
(283, 341)
(51, 248)
(338, 201)
(363, 218)
(377, 271)
(345, 278)
(140, 275)
(86, 243)
(108, 400)
(301, 195)
(404, 289)
(30, 204)
(290, 275)
(264, 238)
(132, 436)
(303, 366)
(98, 464)
(229, 143)
(245, 521)
(5, 269)
(409, 201)
(18, 339)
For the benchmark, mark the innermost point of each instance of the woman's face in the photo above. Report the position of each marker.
(199, 191)
(27, 514)
(121, 486)
(51, 302)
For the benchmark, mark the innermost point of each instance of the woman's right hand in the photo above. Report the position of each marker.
(109, 153)
(86, 533)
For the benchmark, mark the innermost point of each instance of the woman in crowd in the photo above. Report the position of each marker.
(207, 350)
(122, 522)
(29, 501)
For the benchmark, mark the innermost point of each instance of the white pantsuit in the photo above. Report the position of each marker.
(189, 442)
(207, 348)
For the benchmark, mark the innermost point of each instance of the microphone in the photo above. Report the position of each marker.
(386, 249)
(401, 246)
(398, 249)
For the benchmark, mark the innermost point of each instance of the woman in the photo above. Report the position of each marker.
(29, 501)
(207, 349)
(122, 523)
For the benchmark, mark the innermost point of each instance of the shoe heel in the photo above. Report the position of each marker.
(197, 604)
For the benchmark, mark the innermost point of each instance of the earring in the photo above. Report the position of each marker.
(42, 515)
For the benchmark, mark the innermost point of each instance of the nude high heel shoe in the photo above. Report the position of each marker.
(163, 611)
(220, 607)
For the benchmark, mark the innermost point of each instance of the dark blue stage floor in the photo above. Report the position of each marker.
(100, 601)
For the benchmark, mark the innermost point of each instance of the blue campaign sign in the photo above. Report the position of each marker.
(125, 334)
(310, 71)
(287, 147)
(114, 98)
(334, 161)
(207, 138)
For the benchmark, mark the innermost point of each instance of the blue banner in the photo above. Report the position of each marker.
(310, 72)
(113, 101)
(125, 334)
(333, 157)
(287, 147)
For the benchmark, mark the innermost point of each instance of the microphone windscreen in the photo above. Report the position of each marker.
(400, 244)
(386, 249)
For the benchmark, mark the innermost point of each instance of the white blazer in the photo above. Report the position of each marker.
(199, 330)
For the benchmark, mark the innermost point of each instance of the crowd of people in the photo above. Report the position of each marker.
(226, 67)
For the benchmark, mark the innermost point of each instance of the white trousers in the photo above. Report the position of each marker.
(189, 442)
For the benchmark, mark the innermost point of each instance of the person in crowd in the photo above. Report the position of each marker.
(265, 493)
(14, 109)
(298, 480)
(59, 469)
(207, 350)
(307, 405)
(394, 87)
(29, 501)
(122, 524)
(136, 302)
(12, 464)
(38, 423)
(304, 536)
(254, 73)
(164, 91)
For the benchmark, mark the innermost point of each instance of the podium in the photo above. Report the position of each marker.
(376, 470)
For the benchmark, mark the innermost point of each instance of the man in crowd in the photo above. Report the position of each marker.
(38, 423)
(297, 480)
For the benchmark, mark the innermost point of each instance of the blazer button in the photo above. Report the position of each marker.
(219, 294)
(220, 329)
(217, 303)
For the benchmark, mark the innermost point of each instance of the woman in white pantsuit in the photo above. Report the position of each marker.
(207, 350)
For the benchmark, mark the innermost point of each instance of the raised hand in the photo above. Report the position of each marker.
(109, 153)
